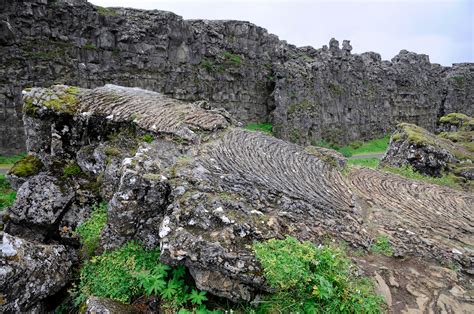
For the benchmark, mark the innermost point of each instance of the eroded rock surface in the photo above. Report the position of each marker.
(431, 154)
(308, 93)
(204, 190)
(30, 272)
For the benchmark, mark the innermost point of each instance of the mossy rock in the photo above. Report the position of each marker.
(60, 98)
(27, 166)
(419, 136)
(458, 119)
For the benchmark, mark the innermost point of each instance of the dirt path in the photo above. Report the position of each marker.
(372, 155)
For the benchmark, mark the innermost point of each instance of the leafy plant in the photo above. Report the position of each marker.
(90, 229)
(382, 245)
(311, 279)
(115, 274)
(132, 271)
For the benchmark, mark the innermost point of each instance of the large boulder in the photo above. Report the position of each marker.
(425, 152)
(31, 272)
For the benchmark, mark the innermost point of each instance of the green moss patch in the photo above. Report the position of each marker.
(27, 166)
(71, 169)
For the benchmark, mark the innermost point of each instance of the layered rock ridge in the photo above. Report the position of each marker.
(181, 176)
(309, 94)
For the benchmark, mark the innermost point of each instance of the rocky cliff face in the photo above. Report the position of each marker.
(309, 94)
(203, 190)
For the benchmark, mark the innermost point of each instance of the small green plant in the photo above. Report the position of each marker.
(90, 46)
(132, 271)
(262, 127)
(208, 65)
(89, 231)
(106, 11)
(7, 195)
(308, 279)
(147, 138)
(71, 169)
(232, 59)
(460, 80)
(382, 245)
(27, 166)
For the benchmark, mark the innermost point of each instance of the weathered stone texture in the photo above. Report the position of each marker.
(309, 94)
(205, 199)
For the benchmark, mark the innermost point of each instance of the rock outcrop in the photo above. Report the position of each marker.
(431, 154)
(185, 178)
(307, 93)
(30, 272)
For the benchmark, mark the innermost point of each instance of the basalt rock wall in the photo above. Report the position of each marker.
(308, 94)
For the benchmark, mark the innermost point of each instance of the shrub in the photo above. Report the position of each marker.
(27, 166)
(308, 279)
(382, 245)
(132, 271)
(90, 229)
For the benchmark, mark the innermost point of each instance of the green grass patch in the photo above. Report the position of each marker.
(374, 146)
(382, 246)
(27, 166)
(90, 230)
(364, 162)
(448, 180)
(262, 127)
(7, 194)
(8, 160)
(310, 279)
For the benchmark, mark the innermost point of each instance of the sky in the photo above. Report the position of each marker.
(442, 29)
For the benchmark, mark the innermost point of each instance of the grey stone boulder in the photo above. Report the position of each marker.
(40, 204)
(107, 306)
(411, 145)
(31, 272)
